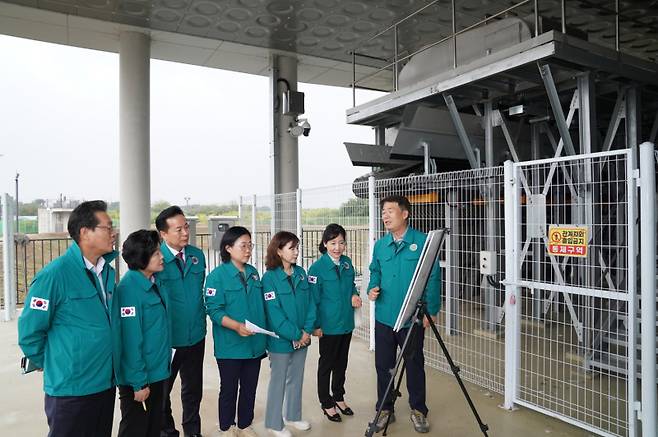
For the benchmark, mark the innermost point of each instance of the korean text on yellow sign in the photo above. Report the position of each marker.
(568, 241)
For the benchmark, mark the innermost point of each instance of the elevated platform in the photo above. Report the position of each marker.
(512, 75)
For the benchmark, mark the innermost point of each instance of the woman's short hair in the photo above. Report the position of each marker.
(330, 232)
(139, 247)
(279, 241)
(230, 237)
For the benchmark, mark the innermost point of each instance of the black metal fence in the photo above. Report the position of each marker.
(34, 252)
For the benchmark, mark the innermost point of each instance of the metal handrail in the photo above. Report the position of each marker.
(397, 60)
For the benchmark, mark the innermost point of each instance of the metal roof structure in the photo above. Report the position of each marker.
(240, 35)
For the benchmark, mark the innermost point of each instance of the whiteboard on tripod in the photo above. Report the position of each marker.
(416, 289)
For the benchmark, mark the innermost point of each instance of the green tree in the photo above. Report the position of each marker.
(355, 207)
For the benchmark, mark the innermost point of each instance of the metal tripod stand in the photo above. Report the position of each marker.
(392, 394)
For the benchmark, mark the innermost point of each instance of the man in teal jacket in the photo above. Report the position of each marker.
(393, 263)
(69, 327)
(182, 281)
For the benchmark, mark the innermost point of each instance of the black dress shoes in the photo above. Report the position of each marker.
(347, 411)
(332, 417)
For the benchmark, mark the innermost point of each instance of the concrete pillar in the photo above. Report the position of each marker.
(283, 146)
(283, 151)
(134, 127)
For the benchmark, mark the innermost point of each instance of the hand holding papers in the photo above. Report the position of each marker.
(258, 330)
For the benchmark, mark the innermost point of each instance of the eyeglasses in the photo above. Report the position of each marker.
(110, 229)
(245, 246)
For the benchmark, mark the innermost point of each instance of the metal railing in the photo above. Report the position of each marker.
(32, 254)
(396, 61)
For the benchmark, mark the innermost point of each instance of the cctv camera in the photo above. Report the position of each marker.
(296, 130)
(306, 126)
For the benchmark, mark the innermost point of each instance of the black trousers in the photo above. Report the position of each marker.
(234, 374)
(332, 365)
(386, 343)
(135, 422)
(80, 416)
(189, 362)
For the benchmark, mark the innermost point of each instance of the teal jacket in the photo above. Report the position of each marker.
(333, 287)
(226, 295)
(184, 291)
(66, 328)
(146, 345)
(289, 309)
(392, 269)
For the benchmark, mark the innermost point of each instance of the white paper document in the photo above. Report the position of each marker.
(358, 317)
(258, 330)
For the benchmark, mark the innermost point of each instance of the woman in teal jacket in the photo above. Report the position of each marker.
(234, 295)
(291, 316)
(146, 344)
(332, 283)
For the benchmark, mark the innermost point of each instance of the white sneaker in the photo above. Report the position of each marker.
(246, 432)
(301, 425)
(285, 432)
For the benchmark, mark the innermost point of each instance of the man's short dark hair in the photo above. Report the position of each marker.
(229, 238)
(139, 247)
(167, 213)
(84, 216)
(402, 201)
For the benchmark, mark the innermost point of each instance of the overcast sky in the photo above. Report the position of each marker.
(59, 128)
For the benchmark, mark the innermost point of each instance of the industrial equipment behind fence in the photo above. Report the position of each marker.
(569, 348)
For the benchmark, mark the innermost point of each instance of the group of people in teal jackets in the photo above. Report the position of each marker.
(292, 306)
(89, 336)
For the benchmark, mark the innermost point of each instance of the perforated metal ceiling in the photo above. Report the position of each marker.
(331, 28)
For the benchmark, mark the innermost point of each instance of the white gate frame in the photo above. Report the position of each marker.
(513, 287)
(8, 259)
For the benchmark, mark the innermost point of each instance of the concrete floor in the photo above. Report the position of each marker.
(21, 401)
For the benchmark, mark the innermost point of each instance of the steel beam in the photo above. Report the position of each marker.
(618, 112)
(654, 129)
(536, 248)
(461, 131)
(491, 308)
(556, 105)
(587, 113)
(632, 118)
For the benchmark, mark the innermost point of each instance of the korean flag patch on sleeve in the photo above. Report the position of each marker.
(127, 311)
(210, 292)
(312, 279)
(269, 295)
(38, 303)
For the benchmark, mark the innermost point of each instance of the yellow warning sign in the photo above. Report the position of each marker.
(568, 241)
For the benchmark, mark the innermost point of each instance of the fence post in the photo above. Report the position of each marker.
(632, 400)
(648, 284)
(298, 222)
(512, 295)
(274, 211)
(193, 222)
(253, 231)
(8, 260)
(372, 237)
